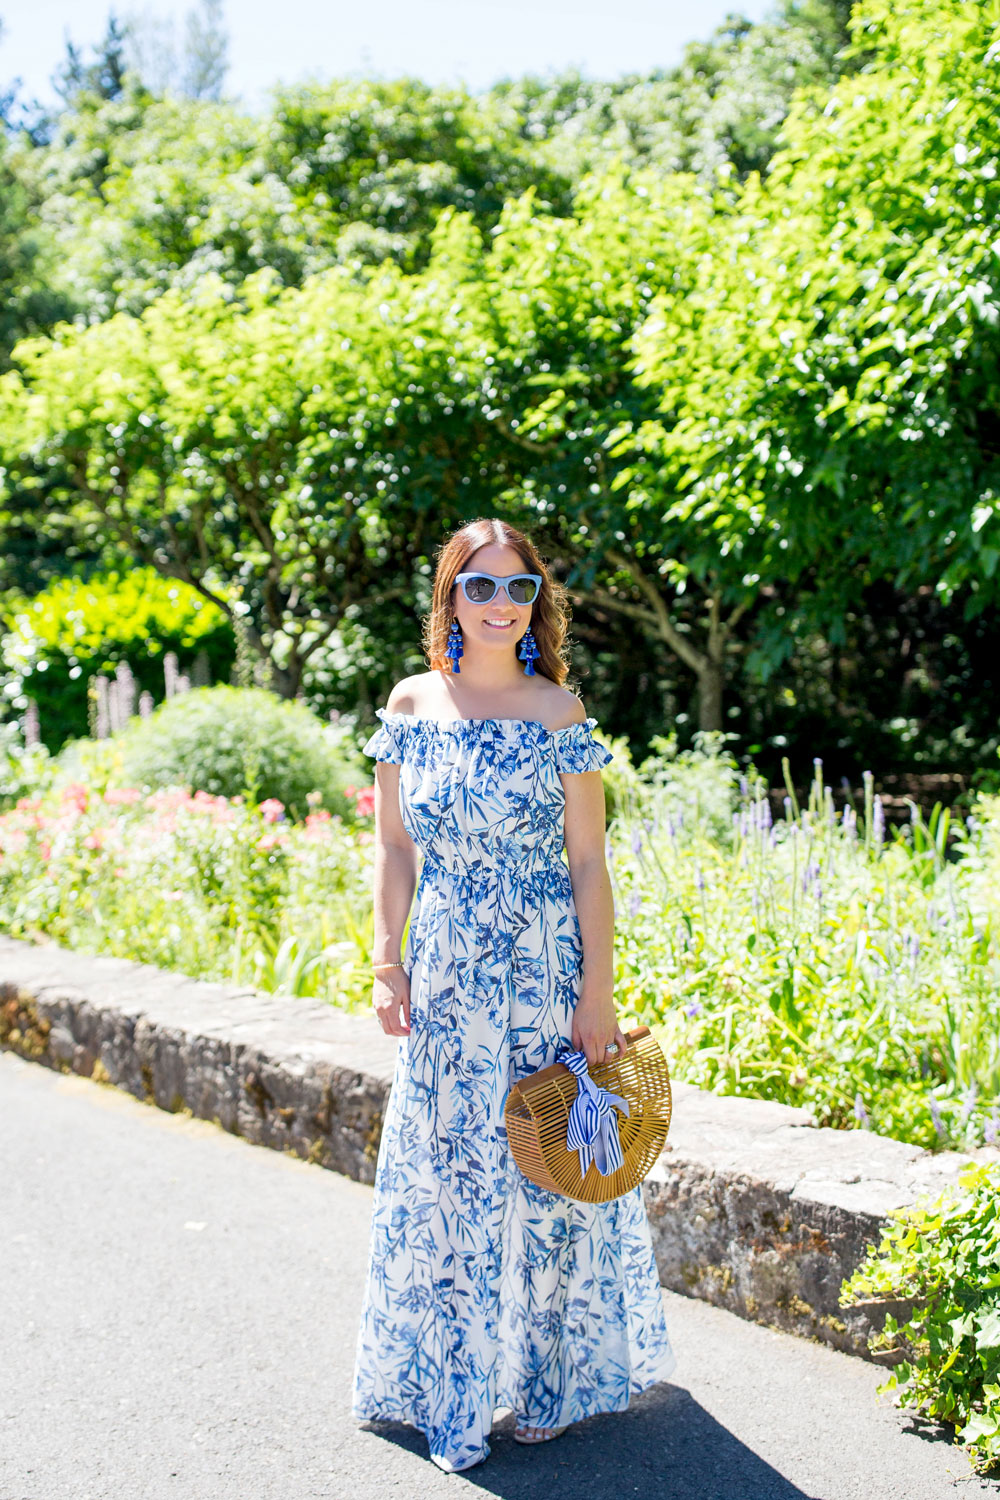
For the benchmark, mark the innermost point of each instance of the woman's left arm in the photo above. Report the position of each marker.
(595, 1022)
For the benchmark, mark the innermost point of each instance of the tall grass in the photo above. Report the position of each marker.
(813, 958)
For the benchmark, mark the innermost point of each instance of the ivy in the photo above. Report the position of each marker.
(944, 1259)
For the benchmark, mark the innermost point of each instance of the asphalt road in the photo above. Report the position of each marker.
(178, 1319)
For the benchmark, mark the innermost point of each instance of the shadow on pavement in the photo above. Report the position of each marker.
(665, 1446)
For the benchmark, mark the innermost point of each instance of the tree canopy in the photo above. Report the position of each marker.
(733, 402)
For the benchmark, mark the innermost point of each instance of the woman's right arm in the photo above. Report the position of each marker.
(395, 882)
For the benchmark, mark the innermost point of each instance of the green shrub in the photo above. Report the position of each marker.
(945, 1258)
(77, 629)
(230, 741)
(25, 770)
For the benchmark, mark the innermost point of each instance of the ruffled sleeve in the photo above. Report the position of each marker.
(388, 740)
(577, 750)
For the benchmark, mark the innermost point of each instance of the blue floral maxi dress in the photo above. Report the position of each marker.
(483, 1290)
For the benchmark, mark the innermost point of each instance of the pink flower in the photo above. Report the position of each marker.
(318, 826)
(271, 810)
(365, 804)
(123, 796)
(76, 793)
(95, 839)
(269, 841)
(365, 836)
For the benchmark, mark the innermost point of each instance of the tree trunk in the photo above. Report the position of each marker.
(711, 680)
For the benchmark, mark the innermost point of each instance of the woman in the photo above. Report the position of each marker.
(484, 1291)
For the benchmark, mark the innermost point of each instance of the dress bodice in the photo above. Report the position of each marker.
(484, 795)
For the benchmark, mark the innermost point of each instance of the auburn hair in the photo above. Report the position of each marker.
(549, 612)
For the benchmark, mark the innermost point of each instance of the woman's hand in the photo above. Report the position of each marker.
(390, 996)
(595, 1024)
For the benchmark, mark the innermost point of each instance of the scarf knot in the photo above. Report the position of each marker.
(592, 1130)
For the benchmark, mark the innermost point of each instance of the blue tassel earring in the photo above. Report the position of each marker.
(454, 647)
(528, 652)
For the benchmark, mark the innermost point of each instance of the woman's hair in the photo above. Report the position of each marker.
(549, 612)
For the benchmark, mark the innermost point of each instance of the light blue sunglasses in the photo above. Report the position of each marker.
(480, 588)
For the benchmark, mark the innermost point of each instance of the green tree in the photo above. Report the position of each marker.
(283, 453)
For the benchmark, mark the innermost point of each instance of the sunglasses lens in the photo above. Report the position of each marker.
(522, 590)
(479, 589)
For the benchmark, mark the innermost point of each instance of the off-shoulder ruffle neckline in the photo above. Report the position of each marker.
(385, 713)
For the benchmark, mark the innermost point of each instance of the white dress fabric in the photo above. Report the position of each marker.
(484, 1291)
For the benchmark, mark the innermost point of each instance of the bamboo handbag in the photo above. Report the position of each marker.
(592, 1133)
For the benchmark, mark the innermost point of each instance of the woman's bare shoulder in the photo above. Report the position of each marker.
(410, 695)
(562, 708)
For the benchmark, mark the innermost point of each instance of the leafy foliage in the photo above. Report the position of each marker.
(77, 629)
(228, 741)
(742, 410)
(944, 1256)
(815, 958)
(211, 887)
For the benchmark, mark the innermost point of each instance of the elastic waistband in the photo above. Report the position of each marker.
(506, 867)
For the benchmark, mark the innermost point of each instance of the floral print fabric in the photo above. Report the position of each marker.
(484, 1291)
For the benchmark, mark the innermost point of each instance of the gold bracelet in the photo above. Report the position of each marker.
(387, 966)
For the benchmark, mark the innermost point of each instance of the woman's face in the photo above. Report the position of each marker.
(477, 631)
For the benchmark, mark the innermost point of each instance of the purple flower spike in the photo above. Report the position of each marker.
(859, 1112)
(692, 1010)
(878, 822)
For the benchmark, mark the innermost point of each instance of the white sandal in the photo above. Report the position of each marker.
(523, 1433)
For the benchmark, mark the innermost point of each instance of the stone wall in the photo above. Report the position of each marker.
(750, 1206)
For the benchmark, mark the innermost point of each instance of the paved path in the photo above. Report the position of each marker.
(178, 1319)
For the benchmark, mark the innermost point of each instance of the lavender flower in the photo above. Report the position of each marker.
(969, 1100)
(637, 840)
(635, 903)
(692, 1010)
(878, 823)
(103, 726)
(32, 735)
(860, 1113)
(912, 951)
(936, 1117)
(991, 1128)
